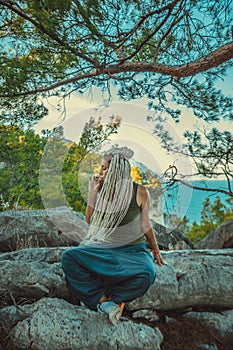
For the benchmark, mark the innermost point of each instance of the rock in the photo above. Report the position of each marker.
(35, 280)
(148, 314)
(52, 323)
(170, 239)
(49, 255)
(211, 346)
(63, 227)
(152, 316)
(208, 347)
(221, 321)
(191, 278)
(169, 319)
(220, 238)
(40, 273)
(40, 228)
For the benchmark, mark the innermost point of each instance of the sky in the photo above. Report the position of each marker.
(135, 131)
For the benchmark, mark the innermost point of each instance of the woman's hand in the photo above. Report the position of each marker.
(158, 258)
(95, 184)
(94, 188)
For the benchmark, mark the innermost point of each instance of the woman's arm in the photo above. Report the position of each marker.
(89, 212)
(143, 200)
(94, 187)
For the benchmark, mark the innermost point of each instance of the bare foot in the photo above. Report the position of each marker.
(103, 299)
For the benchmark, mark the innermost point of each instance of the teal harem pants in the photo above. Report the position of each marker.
(125, 272)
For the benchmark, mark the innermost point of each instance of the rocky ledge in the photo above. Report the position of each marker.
(41, 315)
(63, 227)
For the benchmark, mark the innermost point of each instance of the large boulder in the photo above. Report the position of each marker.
(33, 283)
(36, 310)
(53, 323)
(40, 273)
(170, 238)
(191, 278)
(220, 238)
(63, 227)
(40, 228)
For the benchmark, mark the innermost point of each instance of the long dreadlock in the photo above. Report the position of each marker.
(113, 199)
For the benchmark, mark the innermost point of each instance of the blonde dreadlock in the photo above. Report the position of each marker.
(113, 200)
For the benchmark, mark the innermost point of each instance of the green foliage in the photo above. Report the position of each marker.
(50, 6)
(54, 47)
(51, 164)
(209, 150)
(212, 152)
(20, 154)
(37, 172)
(212, 215)
(24, 112)
(83, 160)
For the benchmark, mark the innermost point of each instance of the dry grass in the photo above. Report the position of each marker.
(5, 341)
(188, 334)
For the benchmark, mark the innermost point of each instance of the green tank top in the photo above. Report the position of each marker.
(130, 226)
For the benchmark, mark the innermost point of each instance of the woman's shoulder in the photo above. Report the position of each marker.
(142, 194)
(141, 189)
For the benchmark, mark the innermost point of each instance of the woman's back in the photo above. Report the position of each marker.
(129, 230)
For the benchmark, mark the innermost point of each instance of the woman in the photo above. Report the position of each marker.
(113, 266)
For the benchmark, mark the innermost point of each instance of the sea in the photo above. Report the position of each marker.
(184, 201)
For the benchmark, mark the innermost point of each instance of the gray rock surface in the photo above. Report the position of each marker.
(53, 323)
(32, 279)
(40, 228)
(191, 278)
(148, 314)
(221, 321)
(170, 239)
(208, 347)
(47, 254)
(220, 238)
(62, 227)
